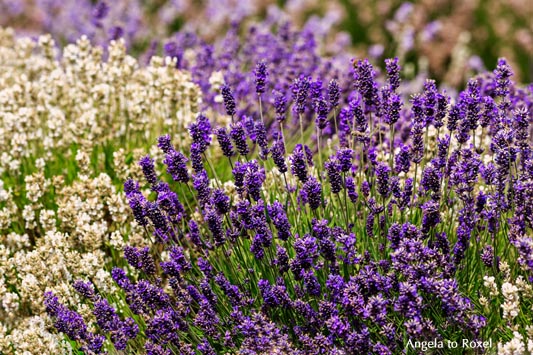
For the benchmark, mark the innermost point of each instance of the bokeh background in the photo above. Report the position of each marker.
(448, 39)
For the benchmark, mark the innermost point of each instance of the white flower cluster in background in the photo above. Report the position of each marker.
(82, 99)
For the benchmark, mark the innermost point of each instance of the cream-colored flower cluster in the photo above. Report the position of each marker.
(56, 248)
(514, 298)
(83, 99)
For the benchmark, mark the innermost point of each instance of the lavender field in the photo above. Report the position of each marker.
(266, 177)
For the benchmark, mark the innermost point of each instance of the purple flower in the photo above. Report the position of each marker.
(430, 215)
(206, 319)
(100, 11)
(430, 179)
(393, 73)
(229, 100)
(205, 348)
(311, 284)
(269, 298)
(221, 201)
(86, 289)
(315, 90)
(261, 74)
(282, 259)
(200, 132)
(382, 179)
(306, 249)
(196, 158)
(322, 111)
(350, 188)
(334, 176)
(147, 165)
(300, 89)
(487, 256)
(502, 73)
(261, 139)
(364, 75)
(393, 105)
(430, 101)
(278, 155)
(194, 233)
(238, 135)
(165, 144)
(158, 220)
(280, 104)
(71, 323)
(361, 121)
(417, 149)
(200, 183)
(155, 349)
(298, 163)
(253, 178)
(312, 192)
(231, 291)
(214, 223)
(454, 117)
(280, 220)
(140, 259)
(177, 263)
(345, 156)
(333, 94)
(442, 109)
(403, 159)
(225, 142)
(176, 166)
(161, 329)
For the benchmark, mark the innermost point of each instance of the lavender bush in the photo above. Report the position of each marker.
(383, 220)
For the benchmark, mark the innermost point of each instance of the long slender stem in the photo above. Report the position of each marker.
(261, 109)
(300, 118)
(414, 192)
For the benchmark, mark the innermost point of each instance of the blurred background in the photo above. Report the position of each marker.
(448, 39)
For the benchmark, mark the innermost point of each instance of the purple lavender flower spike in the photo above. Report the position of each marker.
(382, 178)
(201, 185)
(137, 204)
(261, 139)
(229, 100)
(165, 144)
(176, 164)
(393, 73)
(280, 220)
(148, 168)
(278, 155)
(298, 163)
(364, 75)
(333, 170)
(200, 132)
(224, 142)
(300, 89)
(221, 201)
(350, 188)
(333, 94)
(85, 289)
(214, 223)
(312, 190)
(261, 75)
(322, 111)
(430, 179)
(280, 105)
(238, 135)
(502, 73)
(155, 349)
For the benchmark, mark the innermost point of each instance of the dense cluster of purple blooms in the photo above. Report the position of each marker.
(351, 256)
